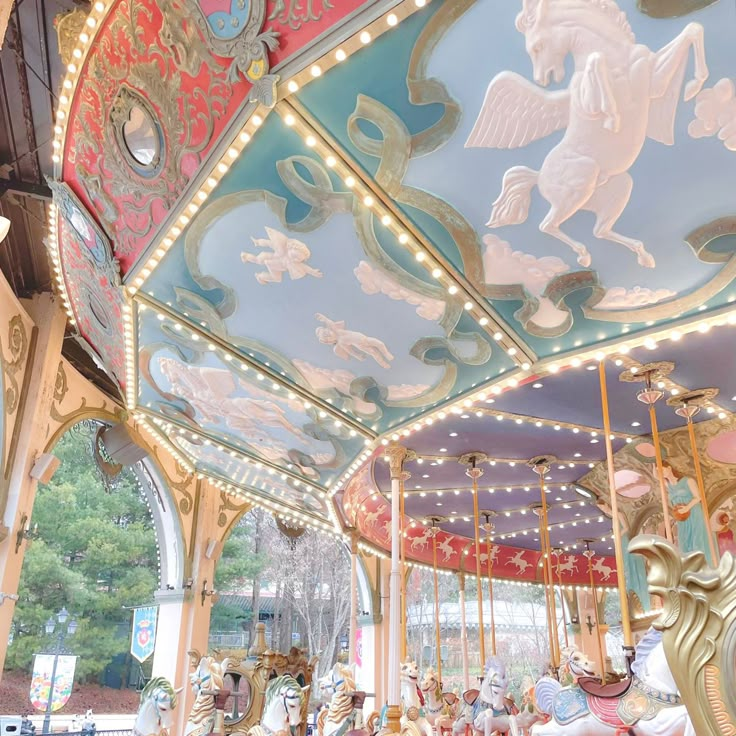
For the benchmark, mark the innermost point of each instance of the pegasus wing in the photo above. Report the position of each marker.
(516, 112)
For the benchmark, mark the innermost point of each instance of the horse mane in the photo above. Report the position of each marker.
(341, 705)
(644, 648)
(284, 681)
(156, 683)
(529, 16)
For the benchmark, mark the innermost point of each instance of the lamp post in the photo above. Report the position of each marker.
(57, 650)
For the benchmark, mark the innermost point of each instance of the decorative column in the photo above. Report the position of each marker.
(463, 629)
(396, 455)
(353, 596)
(33, 353)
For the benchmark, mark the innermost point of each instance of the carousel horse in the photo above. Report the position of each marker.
(440, 707)
(528, 713)
(648, 704)
(413, 721)
(206, 681)
(576, 664)
(282, 709)
(328, 684)
(345, 712)
(156, 711)
(491, 713)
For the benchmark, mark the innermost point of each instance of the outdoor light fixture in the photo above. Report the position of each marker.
(25, 532)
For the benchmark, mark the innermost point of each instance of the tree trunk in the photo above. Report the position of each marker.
(256, 594)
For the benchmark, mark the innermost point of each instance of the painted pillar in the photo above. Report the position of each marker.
(463, 630)
(586, 634)
(184, 613)
(36, 398)
(353, 597)
(396, 454)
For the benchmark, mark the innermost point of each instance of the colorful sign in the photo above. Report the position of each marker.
(43, 670)
(143, 639)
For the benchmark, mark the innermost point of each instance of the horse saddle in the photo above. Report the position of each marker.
(593, 686)
(470, 696)
(450, 698)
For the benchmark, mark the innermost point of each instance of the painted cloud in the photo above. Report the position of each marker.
(715, 113)
(504, 266)
(325, 378)
(375, 281)
(618, 297)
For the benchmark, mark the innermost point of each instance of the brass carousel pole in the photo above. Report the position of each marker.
(589, 554)
(687, 406)
(488, 527)
(475, 473)
(463, 629)
(618, 547)
(402, 557)
(435, 521)
(540, 465)
(557, 553)
(650, 395)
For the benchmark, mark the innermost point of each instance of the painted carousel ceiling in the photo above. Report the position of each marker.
(293, 231)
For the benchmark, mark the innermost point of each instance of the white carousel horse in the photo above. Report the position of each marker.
(439, 707)
(576, 664)
(282, 709)
(491, 713)
(156, 711)
(620, 94)
(344, 714)
(328, 684)
(647, 706)
(206, 680)
(413, 721)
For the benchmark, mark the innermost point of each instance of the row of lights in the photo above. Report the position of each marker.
(243, 364)
(552, 367)
(53, 249)
(360, 39)
(71, 78)
(363, 193)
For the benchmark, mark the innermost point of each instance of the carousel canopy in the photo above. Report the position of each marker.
(292, 233)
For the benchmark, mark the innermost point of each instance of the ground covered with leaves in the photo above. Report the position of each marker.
(14, 698)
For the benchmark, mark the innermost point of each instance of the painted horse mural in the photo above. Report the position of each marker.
(620, 94)
(647, 705)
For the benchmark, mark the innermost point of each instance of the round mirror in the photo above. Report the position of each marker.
(140, 136)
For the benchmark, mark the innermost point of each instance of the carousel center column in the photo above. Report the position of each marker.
(396, 454)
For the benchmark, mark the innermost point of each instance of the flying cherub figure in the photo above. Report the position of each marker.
(286, 255)
(350, 344)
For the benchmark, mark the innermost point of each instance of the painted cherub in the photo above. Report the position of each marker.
(287, 255)
(351, 344)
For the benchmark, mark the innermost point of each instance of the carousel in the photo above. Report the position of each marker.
(448, 281)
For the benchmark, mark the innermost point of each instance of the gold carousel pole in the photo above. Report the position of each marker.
(618, 547)
(488, 527)
(402, 557)
(650, 395)
(475, 473)
(435, 520)
(602, 659)
(540, 465)
(688, 406)
(557, 553)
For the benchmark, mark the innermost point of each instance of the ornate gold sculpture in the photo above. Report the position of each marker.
(698, 627)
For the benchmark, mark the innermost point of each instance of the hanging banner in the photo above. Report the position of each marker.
(143, 639)
(43, 669)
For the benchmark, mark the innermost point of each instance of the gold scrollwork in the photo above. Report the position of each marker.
(18, 349)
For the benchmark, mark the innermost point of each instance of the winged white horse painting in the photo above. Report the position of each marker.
(620, 94)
